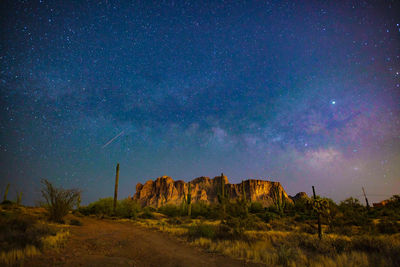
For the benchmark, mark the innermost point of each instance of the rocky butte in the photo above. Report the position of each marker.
(164, 190)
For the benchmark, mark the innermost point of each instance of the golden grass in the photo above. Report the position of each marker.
(163, 226)
(264, 252)
(15, 255)
(55, 241)
(291, 248)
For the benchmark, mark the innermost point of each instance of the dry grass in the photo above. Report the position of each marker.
(13, 256)
(55, 241)
(24, 233)
(291, 248)
(162, 225)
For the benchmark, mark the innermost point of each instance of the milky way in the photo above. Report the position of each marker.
(305, 94)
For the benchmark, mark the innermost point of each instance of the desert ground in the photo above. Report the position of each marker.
(105, 242)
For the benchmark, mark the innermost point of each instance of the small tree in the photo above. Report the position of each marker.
(59, 201)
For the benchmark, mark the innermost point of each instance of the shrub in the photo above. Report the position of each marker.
(234, 227)
(388, 227)
(103, 206)
(269, 216)
(18, 231)
(147, 213)
(127, 208)
(256, 207)
(75, 222)
(175, 221)
(171, 210)
(202, 209)
(353, 213)
(59, 201)
(201, 230)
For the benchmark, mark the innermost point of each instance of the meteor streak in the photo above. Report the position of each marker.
(115, 137)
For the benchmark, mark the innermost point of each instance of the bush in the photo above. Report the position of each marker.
(19, 230)
(269, 216)
(237, 209)
(171, 210)
(103, 206)
(59, 201)
(147, 213)
(202, 209)
(256, 207)
(353, 213)
(175, 221)
(127, 208)
(388, 227)
(75, 222)
(201, 230)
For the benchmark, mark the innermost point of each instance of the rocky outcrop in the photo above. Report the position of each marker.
(164, 190)
(300, 196)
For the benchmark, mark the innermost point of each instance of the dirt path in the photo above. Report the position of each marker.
(113, 243)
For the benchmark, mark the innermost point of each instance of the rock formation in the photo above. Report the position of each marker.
(164, 190)
(300, 196)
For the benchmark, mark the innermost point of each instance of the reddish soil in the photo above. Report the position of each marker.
(114, 243)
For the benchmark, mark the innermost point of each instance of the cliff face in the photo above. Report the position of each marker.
(164, 190)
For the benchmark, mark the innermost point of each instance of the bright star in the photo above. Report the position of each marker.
(333, 102)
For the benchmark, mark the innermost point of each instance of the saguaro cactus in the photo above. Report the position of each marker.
(19, 197)
(319, 205)
(243, 202)
(189, 200)
(78, 202)
(6, 192)
(278, 199)
(221, 196)
(116, 188)
(243, 191)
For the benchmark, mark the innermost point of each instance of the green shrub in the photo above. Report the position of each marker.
(233, 228)
(147, 213)
(237, 209)
(269, 216)
(353, 213)
(171, 210)
(202, 209)
(103, 206)
(201, 230)
(127, 208)
(386, 226)
(256, 207)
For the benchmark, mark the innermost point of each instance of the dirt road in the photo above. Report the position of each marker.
(113, 243)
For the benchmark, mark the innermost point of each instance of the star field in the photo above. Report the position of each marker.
(301, 93)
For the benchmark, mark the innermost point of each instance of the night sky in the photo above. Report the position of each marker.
(302, 93)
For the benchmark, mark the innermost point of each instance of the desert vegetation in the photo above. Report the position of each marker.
(26, 232)
(283, 234)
